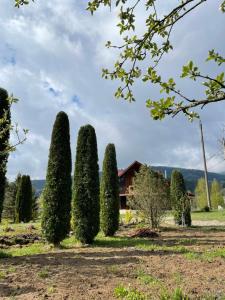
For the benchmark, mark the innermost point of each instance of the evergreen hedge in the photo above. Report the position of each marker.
(24, 200)
(5, 118)
(109, 193)
(57, 191)
(86, 204)
(179, 199)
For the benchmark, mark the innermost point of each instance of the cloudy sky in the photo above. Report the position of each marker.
(52, 53)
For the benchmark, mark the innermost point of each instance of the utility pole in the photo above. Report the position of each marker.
(205, 166)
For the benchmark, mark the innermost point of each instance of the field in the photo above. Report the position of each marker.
(121, 267)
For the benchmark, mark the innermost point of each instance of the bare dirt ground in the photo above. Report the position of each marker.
(93, 272)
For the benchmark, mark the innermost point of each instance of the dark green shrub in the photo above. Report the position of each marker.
(9, 202)
(86, 186)
(4, 254)
(179, 199)
(5, 118)
(206, 209)
(109, 193)
(24, 200)
(57, 191)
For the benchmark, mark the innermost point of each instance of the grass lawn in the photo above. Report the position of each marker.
(209, 216)
(217, 216)
(22, 228)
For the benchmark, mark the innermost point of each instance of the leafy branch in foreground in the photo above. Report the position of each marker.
(19, 3)
(6, 126)
(151, 46)
(214, 88)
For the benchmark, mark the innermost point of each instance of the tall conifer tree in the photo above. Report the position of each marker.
(86, 186)
(179, 200)
(109, 193)
(9, 202)
(5, 117)
(24, 200)
(57, 191)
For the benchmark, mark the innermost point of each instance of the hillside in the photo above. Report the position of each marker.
(38, 184)
(190, 176)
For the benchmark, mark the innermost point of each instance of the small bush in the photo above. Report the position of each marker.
(128, 217)
(206, 209)
(149, 195)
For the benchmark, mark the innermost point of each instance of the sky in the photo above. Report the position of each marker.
(52, 53)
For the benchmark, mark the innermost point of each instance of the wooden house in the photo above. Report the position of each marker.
(125, 182)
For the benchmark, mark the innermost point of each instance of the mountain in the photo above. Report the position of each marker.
(38, 184)
(191, 177)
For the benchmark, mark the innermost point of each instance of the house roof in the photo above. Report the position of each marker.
(121, 172)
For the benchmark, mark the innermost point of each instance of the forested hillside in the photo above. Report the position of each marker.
(190, 176)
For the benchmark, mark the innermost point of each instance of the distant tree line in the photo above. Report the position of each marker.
(20, 200)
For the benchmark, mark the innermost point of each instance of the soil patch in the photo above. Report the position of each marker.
(83, 273)
(20, 239)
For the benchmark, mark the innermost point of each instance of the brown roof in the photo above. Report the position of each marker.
(121, 172)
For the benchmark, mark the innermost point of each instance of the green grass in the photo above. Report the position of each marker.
(209, 216)
(101, 241)
(147, 279)
(216, 215)
(138, 243)
(177, 294)
(123, 293)
(192, 255)
(33, 249)
(208, 255)
(70, 242)
(187, 242)
(44, 273)
(21, 228)
(114, 242)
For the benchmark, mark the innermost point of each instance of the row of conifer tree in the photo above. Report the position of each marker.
(79, 200)
(83, 201)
